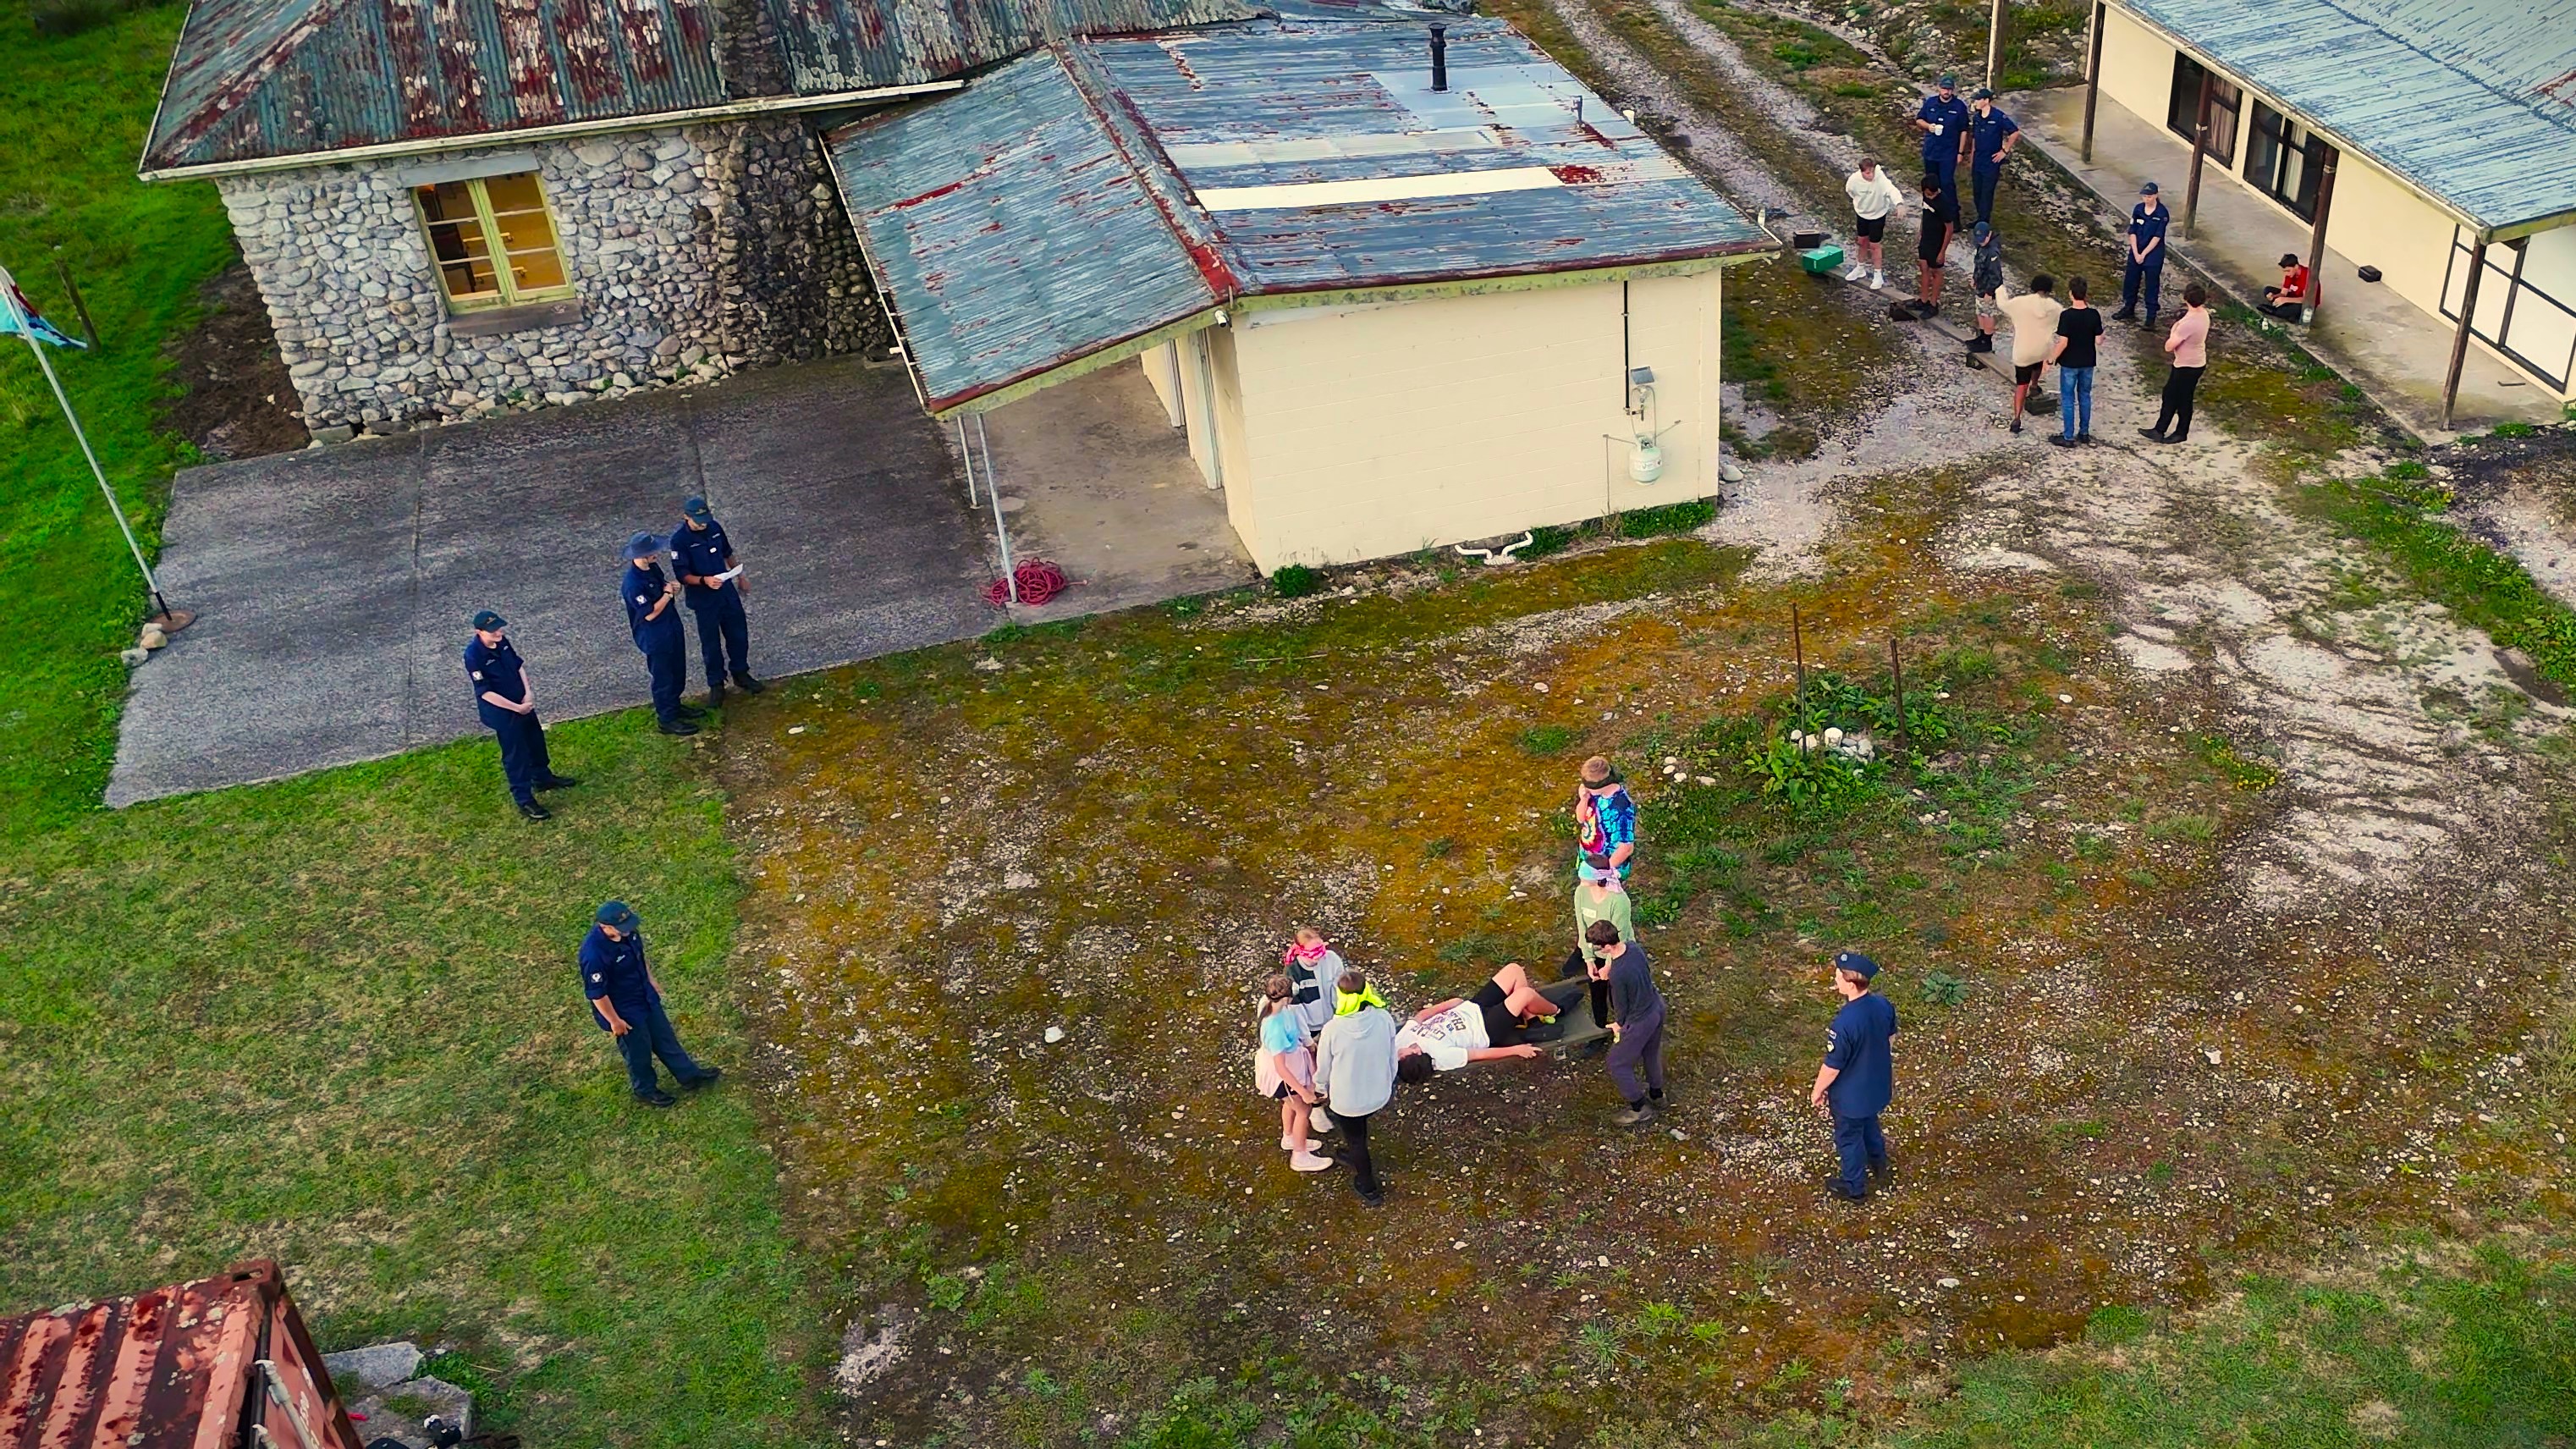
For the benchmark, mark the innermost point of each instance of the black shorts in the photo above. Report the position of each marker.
(1871, 228)
(2026, 373)
(1502, 1024)
(1280, 1095)
(1932, 248)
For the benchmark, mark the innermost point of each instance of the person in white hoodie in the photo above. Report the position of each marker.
(1873, 195)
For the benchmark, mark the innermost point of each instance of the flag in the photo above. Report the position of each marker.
(17, 312)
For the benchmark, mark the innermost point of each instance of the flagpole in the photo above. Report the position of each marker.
(169, 619)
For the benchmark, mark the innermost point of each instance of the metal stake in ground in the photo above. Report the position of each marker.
(1798, 644)
(170, 620)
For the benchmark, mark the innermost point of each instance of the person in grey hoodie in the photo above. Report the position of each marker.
(1636, 1024)
(1355, 1065)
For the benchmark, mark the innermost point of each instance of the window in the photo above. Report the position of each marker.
(2182, 113)
(2516, 310)
(2284, 161)
(492, 242)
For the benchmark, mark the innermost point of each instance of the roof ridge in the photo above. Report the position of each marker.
(1119, 120)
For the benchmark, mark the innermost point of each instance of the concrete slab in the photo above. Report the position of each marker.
(332, 586)
(1110, 495)
(2385, 345)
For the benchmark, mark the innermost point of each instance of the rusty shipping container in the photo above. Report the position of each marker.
(223, 1363)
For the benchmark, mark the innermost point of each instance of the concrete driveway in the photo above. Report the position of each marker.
(332, 587)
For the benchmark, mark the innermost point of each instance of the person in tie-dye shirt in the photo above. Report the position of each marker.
(1605, 816)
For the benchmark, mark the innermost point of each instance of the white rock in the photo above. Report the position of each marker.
(1835, 736)
(2215, 1055)
(1949, 1282)
(1054, 1034)
(135, 655)
(796, 729)
(2066, 699)
(1541, 688)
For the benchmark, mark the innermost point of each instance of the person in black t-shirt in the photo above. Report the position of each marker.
(1940, 223)
(2079, 327)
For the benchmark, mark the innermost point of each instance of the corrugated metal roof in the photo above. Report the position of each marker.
(176, 1366)
(1012, 234)
(261, 78)
(1260, 159)
(2474, 101)
(842, 45)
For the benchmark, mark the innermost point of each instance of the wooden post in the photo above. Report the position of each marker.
(2317, 235)
(80, 304)
(1896, 671)
(2460, 339)
(2199, 149)
(2092, 80)
(1798, 642)
(1995, 49)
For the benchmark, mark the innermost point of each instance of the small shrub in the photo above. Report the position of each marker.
(1940, 988)
(1805, 780)
(1796, 54)
(1670, 518)
(947, 1292)
(1295, 581)
(1552, 539)
(2515, 430)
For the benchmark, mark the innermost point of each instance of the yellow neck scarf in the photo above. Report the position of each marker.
(1347, 1002)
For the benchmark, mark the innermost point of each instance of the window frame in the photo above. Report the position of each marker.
(507, 292)
(2226, 108)
(2311, 151)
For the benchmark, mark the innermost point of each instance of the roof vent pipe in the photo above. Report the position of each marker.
(1440, 57)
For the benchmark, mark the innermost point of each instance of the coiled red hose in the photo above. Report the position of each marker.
(1038, 581)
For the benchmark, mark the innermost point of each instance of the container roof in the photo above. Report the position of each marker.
(2472, 101)
(261, 79)
(1110, 190)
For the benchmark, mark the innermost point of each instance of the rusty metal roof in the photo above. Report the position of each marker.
(1112, 188)
(843, 45)
(261, 78)
(177, 1366)
(2473, 101)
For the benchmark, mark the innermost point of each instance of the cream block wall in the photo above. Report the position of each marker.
(1366, 431)
(2137, 72)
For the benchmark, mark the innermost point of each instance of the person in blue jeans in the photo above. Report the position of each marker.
(1858, 1077)
(2079, 333)
(2148, 221)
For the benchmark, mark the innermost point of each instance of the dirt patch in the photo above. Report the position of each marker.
(2520, 493)
(233, 399)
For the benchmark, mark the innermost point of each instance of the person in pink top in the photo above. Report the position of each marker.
(2189, 344)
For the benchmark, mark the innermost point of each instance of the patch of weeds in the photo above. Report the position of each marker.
(2143, 878)
(1547, 740)
(2515, 430)
(1440, 847)
(1804, 776)
(2183, 827)
(1295, 581)
(1798, 55)
(2079, 1131)
(1552, 539)
(2160, 1173)
(1656, 1320)
(947, 1292)
(1670, 518)
(2113, 1324)
(1597, 1346)
(2486, 589)
(2235, 768)
(1478, 948)
(1940, 988)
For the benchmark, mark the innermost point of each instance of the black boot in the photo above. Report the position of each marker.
(535, 811)
(679, 724)
(743, 681)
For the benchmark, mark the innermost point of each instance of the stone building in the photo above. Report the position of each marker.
(468, 207)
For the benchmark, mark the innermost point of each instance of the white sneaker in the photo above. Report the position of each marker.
(1322, 1119)
(1877, 280)
(1309, 1162)
(1853, 272)
(1291, 1144)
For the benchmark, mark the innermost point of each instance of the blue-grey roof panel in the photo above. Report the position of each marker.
(2471, 100)
(1259, 159)
(1011, 234)
(846, 45)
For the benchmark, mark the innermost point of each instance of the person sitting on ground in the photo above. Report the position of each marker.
(1988, 277)
(1873, 195)
(1287, 1074)
(1492, 1025)
(1940, 224)
(1313, 968)
(2289, 301)
(2033, 315)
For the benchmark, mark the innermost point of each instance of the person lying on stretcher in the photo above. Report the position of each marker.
(1503, 1019)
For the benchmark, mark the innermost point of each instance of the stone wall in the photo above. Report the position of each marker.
(692, 251)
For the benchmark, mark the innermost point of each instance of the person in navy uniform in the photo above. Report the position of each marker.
(626, 1002)
(700, 555)
(2147, 222)
(1943, 120)
(653, 617)
(509, 707)
(1991, 137)
(1858, 1075)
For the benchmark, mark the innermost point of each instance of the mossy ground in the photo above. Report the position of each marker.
(1111, 828)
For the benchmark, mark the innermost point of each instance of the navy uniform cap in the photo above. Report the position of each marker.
(696, 507)
(2148, 189)
(643, 545)
(617, 914)
(1949, 83)
(1856, 963)
(487, 621)
(1981, 94)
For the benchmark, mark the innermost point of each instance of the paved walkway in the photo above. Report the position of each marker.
(332, 587)
(2389, 347)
